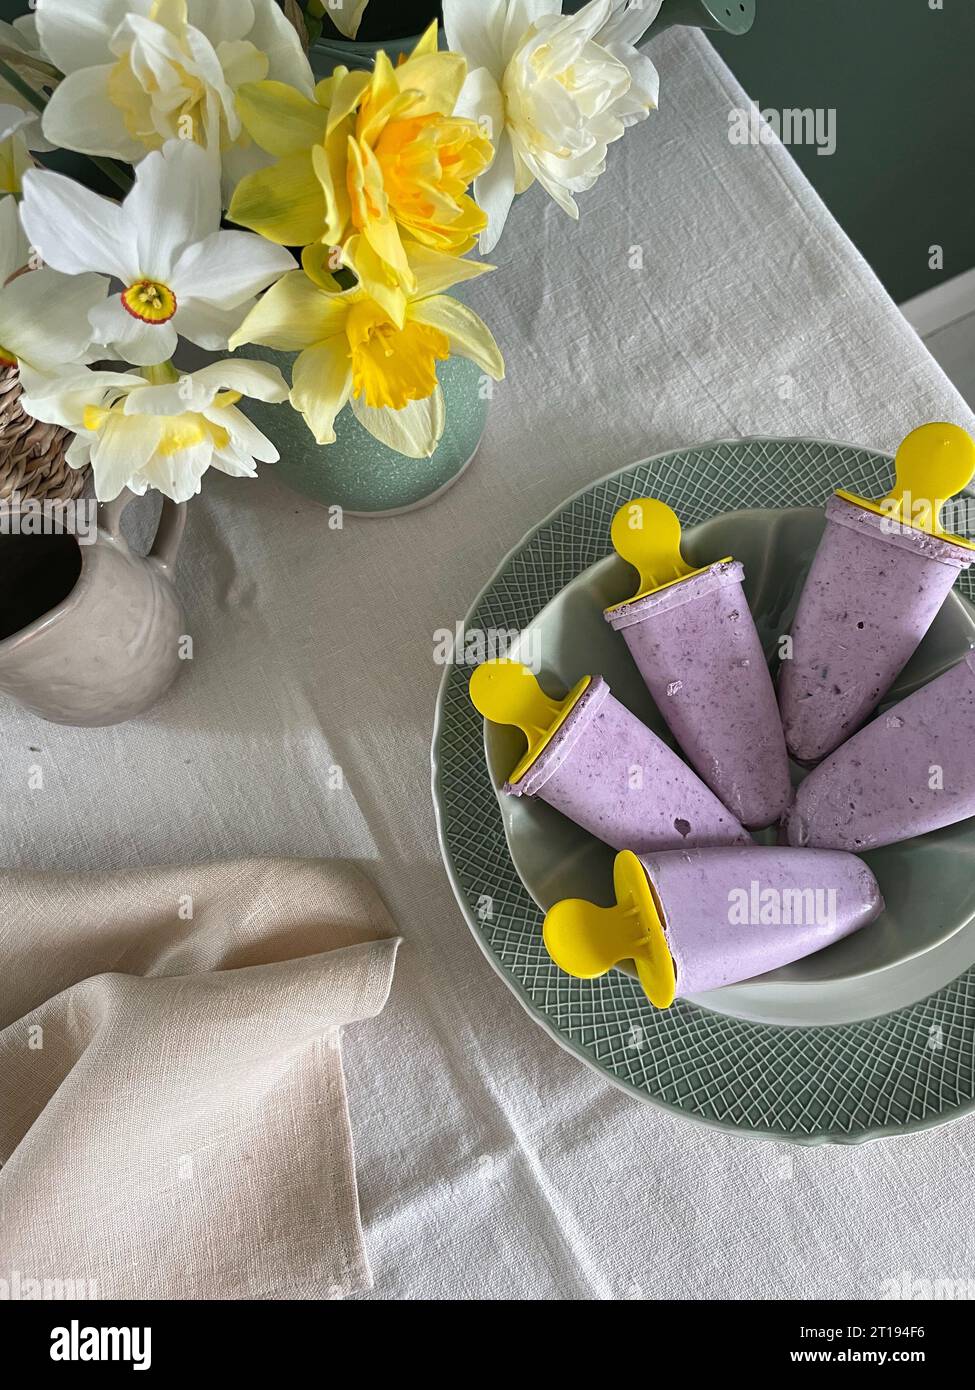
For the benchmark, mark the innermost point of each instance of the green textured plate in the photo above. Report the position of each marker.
(892, 1046)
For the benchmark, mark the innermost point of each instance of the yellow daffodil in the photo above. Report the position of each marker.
(378, 156)
(351, 348)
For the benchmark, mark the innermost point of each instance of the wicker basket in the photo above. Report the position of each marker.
(31, 453)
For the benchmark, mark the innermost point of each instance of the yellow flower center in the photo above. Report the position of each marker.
(427, 165)
(392, 366)
(150, 301)
(7, 358)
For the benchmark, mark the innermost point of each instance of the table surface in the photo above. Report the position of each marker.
(491, 1164)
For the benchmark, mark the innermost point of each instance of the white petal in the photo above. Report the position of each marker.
(80, 116)
(75, 33)
(207, 326)
(12, 120)
(230, 267)
(628, 23)
(494, 191)
(122, 450)
(414, 431)
(143, 344)
(74, 229)
(14, 246)
(177, 476)
(274, 35)
(521, 15)
(174, 204)
(261, 381)
(44, 315)
(476, 29)
(644, 93)
(197, 390)
(247, 438)
(223, 21)
(481, 100)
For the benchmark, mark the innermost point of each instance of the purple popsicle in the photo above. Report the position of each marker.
(732, 914)
(693, 639)
(594, 761)
(696, 920)
(909, 771)
(880, 575)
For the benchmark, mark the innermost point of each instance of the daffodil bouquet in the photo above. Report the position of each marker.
(243, 203)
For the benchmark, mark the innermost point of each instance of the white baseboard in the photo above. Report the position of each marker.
(944, 304)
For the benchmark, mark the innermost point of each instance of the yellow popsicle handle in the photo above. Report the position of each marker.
(506, 692)
(585, 940)
(646, 533)
(933, 463)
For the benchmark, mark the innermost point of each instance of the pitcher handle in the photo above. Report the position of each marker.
(169, 533)
(110, 515)
(169, 536)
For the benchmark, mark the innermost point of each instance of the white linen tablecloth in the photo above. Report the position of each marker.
(490, 1163)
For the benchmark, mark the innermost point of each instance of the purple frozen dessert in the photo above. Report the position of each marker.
(695, 644)
(732, 914)
(696, 920)
(874, 588)
(909, 771)
(594, 761)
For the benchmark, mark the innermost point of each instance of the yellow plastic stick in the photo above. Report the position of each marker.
(932, 465)
(506, 692)
(585, 940)
(647, 534)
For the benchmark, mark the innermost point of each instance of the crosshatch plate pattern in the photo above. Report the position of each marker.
(844, 1082)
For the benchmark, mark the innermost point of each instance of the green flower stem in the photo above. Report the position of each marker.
(23, 88)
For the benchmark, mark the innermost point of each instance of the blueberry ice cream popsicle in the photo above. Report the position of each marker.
(909, 771)
(696, 920)
(881, 573)
(594, 761)
(693, 639)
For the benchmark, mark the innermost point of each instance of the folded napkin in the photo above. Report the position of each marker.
(173, 1117)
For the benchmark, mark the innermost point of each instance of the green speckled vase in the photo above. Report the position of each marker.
(357, 473)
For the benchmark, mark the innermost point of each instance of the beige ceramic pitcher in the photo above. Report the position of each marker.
(90, 632)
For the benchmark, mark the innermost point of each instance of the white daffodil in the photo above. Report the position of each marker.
(180, 273)
(141, 72)
(43, 315)
(552, 91)
(160, 430)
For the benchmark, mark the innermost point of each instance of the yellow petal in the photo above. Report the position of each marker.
(467, 334)
(436, 272)
(435, 80)
(319, 261)
(280, 118)
(322, 384)
(376, 279)
(346, 94)
(294, 314)
(427, 43)
(285, 202)
(329, 164)
(414, 431)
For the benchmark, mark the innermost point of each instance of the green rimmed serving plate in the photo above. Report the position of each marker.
(876, 1039)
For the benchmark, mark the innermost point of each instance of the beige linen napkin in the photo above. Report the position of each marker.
(173, 1118)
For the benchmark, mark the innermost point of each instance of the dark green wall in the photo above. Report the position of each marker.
(902, 79)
